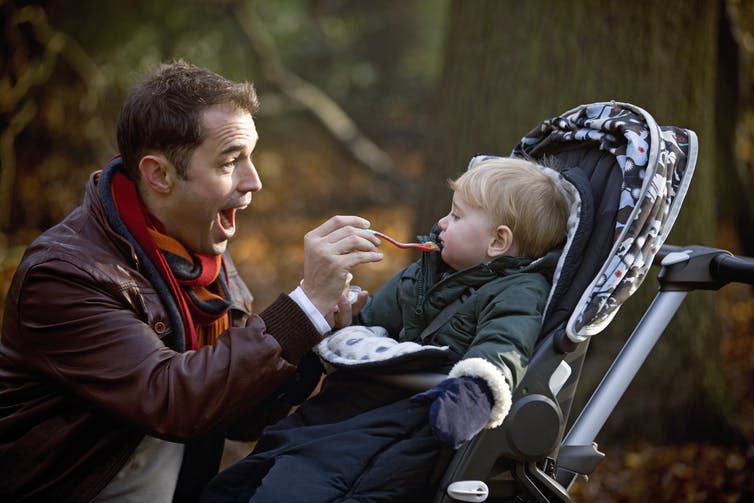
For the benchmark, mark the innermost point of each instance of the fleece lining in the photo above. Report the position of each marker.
(501, 391)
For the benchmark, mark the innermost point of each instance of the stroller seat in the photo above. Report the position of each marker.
(626, 177)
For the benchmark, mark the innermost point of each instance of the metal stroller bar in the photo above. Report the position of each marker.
(683, 269)
(624, 368)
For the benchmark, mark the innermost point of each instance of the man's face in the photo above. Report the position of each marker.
(219, 181)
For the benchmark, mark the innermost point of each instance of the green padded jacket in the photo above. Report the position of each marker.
(498, 320)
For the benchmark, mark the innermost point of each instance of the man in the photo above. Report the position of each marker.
(129, 350)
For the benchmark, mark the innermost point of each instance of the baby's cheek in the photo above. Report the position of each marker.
(445, 251)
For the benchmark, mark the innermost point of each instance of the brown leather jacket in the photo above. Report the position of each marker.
(85, 371)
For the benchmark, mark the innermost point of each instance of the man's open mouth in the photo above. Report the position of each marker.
(227, 220)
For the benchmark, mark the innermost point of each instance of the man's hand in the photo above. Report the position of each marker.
(330, 251)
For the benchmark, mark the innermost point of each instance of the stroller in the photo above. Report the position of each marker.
(625, 178)
(628, 178)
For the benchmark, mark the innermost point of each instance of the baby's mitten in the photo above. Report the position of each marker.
(460, 408)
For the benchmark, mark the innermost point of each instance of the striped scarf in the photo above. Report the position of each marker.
(198, 283)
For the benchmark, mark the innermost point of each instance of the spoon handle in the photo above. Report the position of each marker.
(431, 247)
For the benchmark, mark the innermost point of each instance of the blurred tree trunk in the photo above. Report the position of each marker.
(509, 65)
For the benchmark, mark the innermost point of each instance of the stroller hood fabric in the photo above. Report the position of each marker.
(657, 163)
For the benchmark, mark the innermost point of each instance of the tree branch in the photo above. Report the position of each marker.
(15, 99)
(329, 114)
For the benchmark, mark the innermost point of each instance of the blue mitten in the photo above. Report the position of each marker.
(461, 406)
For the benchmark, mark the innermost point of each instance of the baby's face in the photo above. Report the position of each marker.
(466, 235)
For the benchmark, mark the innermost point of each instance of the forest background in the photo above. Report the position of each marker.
(368, 106)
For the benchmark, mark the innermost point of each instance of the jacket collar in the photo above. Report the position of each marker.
(94, 205)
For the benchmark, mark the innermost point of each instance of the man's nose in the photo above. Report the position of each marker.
(249, 179)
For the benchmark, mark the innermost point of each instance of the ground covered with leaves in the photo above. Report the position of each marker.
(689, 473)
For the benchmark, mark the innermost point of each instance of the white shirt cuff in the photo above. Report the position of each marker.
(320, 323)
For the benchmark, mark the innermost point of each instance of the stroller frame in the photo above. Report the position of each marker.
(529, 457)
(683, 269)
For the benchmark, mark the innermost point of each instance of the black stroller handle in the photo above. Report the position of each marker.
(733, 268)
(700, 267)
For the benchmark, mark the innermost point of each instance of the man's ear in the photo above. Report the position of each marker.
(501, 243)
(157, 173)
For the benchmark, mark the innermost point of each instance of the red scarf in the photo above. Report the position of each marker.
(195, 280)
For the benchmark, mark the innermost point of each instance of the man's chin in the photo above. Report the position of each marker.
(216, 248)
(219, 248)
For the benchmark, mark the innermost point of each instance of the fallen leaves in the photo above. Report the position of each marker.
(690, 472)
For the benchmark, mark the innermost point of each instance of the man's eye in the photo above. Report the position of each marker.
(230, 164)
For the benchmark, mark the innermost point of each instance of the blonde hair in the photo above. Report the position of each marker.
(517, 193)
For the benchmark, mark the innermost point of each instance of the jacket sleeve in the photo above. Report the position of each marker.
(88, 340)
(383, 308)
(508, 327)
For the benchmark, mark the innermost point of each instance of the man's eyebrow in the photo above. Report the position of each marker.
(232, 149)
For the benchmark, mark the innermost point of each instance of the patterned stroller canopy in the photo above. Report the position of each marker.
(657, 163)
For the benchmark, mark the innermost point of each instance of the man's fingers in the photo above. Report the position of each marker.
(346, 252)
(330, 251)
(337, 222)
(346, 239)
(361, 257)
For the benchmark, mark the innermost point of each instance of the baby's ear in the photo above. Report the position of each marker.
(501, 243)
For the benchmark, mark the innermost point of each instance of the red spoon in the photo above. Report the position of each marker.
(428, 246)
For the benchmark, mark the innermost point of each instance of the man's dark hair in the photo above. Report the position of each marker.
(163, 113)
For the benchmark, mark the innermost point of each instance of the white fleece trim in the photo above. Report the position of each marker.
(358, 344)
(501, 392)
